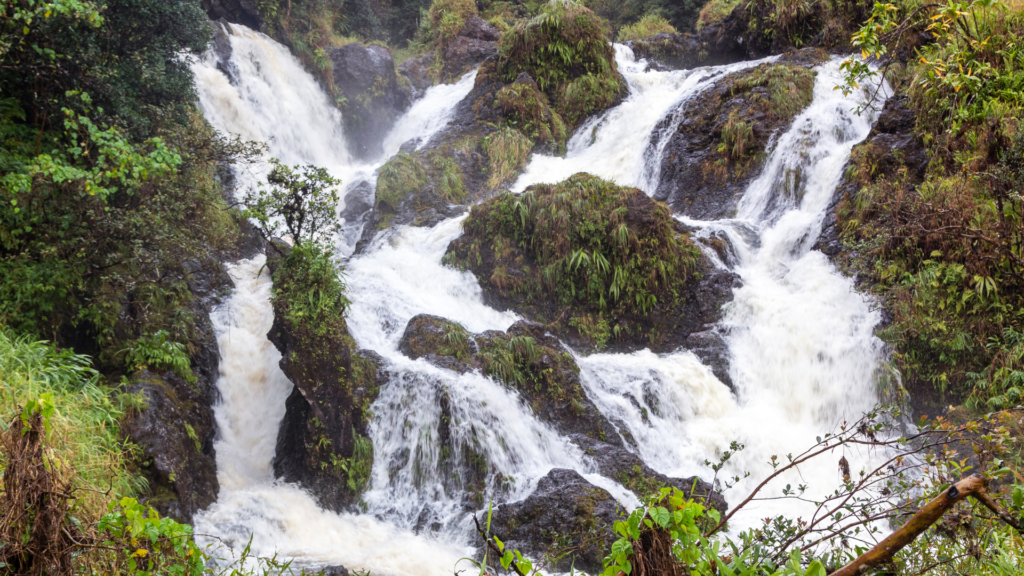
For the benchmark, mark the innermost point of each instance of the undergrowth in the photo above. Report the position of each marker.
(646, 27)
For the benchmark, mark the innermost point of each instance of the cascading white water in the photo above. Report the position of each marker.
(620, 145)
(803, 353)
(800, 337)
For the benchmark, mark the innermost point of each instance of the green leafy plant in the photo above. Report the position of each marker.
(158, 352)
(305, 197)
(646, 27)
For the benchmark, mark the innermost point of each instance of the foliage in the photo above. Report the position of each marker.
(448, 177)
(526, 109)
(306, 197)
(507, 150)
(947, 248)
(680, 14)
(158, 352)
(715, 11)
(646, 27)
(447, 17)
(311, 289)
(84, 424)
(585, 243)
(402, 176)
(143, 543)
(565, 42)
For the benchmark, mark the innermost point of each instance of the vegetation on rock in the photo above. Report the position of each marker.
(565, 50)
(597, 256)
(646, 27)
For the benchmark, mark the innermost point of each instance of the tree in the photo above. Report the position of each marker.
(304, 197)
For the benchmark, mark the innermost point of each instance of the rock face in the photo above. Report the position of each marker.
(473, 45)
(176, 431)
(564, 514)
(239, 11)
(322, 442)
(720, 145)
(366, 77)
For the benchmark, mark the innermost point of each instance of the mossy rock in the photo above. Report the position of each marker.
(322, 443)
(526, 358)
(599, 264)
(722, 143)
(566, 50)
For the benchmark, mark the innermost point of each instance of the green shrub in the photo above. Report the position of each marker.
(646, 27)
(715, 11)
(401, 177)
(526, 108)
(84, 427)
(305, 197)
(566, 41)
(447, 17)
(590, 245)
(311, 290)
(158, 352)
(448, 177)
(507, 151)
(588, 94)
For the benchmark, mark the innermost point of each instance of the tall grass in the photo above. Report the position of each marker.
(649, 25)
(84, 432)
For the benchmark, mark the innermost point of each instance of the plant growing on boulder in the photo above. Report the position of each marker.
(565, 50)
(583, 248)
(402, 176)
(305, 197)
(527, 109)
(507, 150)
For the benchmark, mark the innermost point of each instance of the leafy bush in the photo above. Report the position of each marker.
(447, 17)
(526, 109)
(84, 425)
(311, 289)
(565, 42)
(158, 352)
(646, 27)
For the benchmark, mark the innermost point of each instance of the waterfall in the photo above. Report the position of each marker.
(800, 337)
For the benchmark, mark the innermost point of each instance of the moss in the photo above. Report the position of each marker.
(401, 177)
(584, 249)
(507, 150)
(565, 42)
(526, 108)
(541, 372)
(643, 486)
(790, 88)
(649, 25)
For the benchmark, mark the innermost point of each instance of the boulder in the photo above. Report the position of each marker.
(565, 516)
(358, 204)
(374, 98)
(245, 12)
(477, 29)
(463, 53)
(626, 468)
(720, 143)
(711, 348)
(222, 48)
(417, 72)
(322, 443)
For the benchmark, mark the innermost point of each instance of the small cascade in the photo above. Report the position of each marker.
(625, 143)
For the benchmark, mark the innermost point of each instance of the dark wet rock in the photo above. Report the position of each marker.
(244, 12)
(222, 48)
(366, 77)
(322, 443)
(477, 29)
(463, 53)
(724, 42)
(720, 143)
(358, 204)
(564, 513)
(417, 72)
(626, 468)
(713, 352)
(334, 571)
(277, 250)
(545, 375)
(175, 430)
